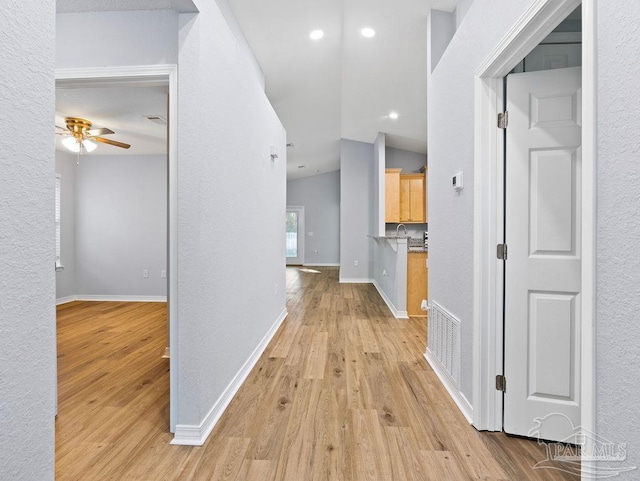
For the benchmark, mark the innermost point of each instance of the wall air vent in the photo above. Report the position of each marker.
(444, 340)
(156, 119)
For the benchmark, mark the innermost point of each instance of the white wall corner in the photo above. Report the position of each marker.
(196, 435)
(458, 397)
(394, 310)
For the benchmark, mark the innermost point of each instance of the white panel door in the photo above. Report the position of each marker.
(543, 269)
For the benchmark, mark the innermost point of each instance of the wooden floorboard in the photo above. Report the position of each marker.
(341, 393)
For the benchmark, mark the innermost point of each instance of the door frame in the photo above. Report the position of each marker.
(149, 75)
(300, 210)
(534, 25)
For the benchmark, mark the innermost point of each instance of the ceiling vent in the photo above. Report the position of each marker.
(156, 119)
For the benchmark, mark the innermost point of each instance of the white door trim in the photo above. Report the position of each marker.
(533, 26)
(149, 75)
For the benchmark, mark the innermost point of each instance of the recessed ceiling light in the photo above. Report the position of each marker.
(393, 115)
(316, 35)
(368, 32)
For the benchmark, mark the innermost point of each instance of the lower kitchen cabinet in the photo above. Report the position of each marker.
(417, 283)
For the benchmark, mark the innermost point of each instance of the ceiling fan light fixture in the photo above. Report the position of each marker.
(72, 144)
(88, 145)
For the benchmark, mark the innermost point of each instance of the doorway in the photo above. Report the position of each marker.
(295, 236)
(529, 31)
(150, 76)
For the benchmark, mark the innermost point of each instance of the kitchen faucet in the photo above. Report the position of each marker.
(398, 230)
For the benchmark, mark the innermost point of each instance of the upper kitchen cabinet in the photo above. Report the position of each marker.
(405, 197)
(412, 199)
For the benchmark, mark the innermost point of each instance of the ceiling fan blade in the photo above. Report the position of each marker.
(110, 142)
(102, 131)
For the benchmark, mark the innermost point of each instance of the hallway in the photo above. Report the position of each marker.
(342, 393)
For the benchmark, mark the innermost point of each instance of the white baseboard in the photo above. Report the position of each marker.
(396, 313)
(461, 401)
(196, 435)
(101, 298)
(351, 280)
(65, 300)
(320, 265)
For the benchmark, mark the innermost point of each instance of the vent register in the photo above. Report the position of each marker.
(444, 340)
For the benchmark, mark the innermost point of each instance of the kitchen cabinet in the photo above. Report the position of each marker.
(392, 195)
(412, 199)
(405, 197)
(417, 282)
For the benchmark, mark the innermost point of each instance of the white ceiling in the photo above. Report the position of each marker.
(122, 109)
(74, 6)
(344, 85)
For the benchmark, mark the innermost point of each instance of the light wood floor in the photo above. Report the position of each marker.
(342, 393)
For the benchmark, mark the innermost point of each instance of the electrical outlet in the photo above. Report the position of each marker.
(163, 274)
(384, 272)
(309, 234)
(145, 273)
(356, 263)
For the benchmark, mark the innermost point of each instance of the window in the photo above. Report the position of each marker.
(58, 188)
(292, 234)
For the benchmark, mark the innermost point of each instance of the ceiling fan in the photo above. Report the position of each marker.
(80, 137)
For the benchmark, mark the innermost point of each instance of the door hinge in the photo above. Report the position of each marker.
(503, 120)
(501, 383)
(502, 252)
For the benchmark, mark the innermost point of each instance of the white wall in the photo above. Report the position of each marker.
(136, 37)
(27, 242)
(356, 210)
(379, 156)
(441, 27)
(66, 279)
(409, 162)
(231, 286)
(461, 11)
(390, 274)
(233, 24)
(451, 149)
(121, 225)
(320, 196)
(618, 228)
